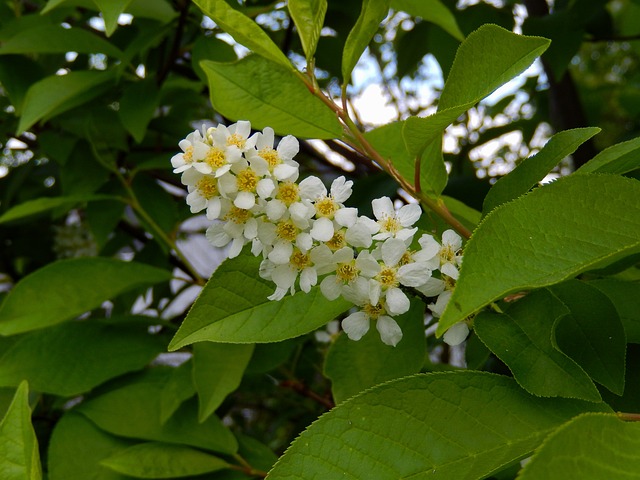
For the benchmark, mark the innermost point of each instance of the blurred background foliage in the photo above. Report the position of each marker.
(95, 95)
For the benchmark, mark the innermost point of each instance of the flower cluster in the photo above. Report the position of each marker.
(307, 236)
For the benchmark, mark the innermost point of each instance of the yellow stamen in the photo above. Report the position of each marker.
(299, 260)
(390, 224)
(237, 140)
(271, 156)
(373, 311)
(288, 193)
(188, 154)
(215, 158)
(326, 207)
(347, 272)
(287, 230)
(237, 215)
(337, 241)
(387, 277)
(247, 180)
(208, 187)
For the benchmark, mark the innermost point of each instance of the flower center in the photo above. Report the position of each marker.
(289, 193)
(390, 224)
(447, 255)
(406, 258)
(216, 158)
(373, 311)
(237, 215)
(347, 272)
(247, 180)
(387, 277)
(326, 207)
(207, 187)
(287, 230)
(237, 140)
(337, 241)
(188, 154)
(299, 260)
(271, 156)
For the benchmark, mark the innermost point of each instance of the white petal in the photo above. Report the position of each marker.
(397, 301)
(202, 167)
(390, 331)
(322, 230)
(383, 207)
(449, 270)
(347, 216)
(392, 251)
(304, 242)
(409, 214)
(312, 188)
(265, 187)
(406, 234)
(284, 276)
(281, 253)
(341, 189)
(214, 208)
(432, 287)
(266, 139)
(259, 165)
(217, 236)
(441, 302)
(275, 210)
(451, 238)
(308, 278)
(288, 147)
(236, 247)
(358, 236)
(330, 287)
(413, 274)
(245, 200)
(375, 289)
(429, 245)
(456, 334)
(368, 266)
(251, 229)
(278, 294)
(284, 171)
(356, 325)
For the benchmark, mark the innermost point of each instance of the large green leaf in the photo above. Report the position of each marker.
(163, 460)
(356, 366)
(77, 447)
(217, 371)
(45, 204)
(624, 295)
(620, 158)
(244, 30)
(132, 409)
(233, 308)
(533, 169)
(504, 55)
(522, 338)
(308, 15)
(59, 93)
(73, 358)
(592, 334)
(111, 10)
(372, 13)
(462, 425)
(178, 388)
(269, 95)
(67, 288)
(546, 237)
(137, 107)
(57, 39)
(19, 456)
(433, 11)
(590, 447)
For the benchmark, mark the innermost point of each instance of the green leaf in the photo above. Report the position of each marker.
(244, 31)
(233, 308)
(217, 371)
(77, 447)
(624, 296)
(505, 55)
(531, 242)
(355, 366)
(444, 425)
(46, 204)
(137, 107)
(533, 169)
(308, 16)
(269, 96)
(132, 409)
(67, 288)
(620, 158)
(17, 74)
(111, 10)
(59, 93)
(179, 387)
(163, 460)
(593, 334)
(19, 456)
(371, 15)
(522, 339)
(589, 447)
(57, 39)
(433, 11)
(73, 358)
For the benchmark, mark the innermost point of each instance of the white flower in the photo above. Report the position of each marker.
(447, 255)
(287, 235)
(239, 227)
(441, 302)
(279, 162)
(346, 268)
(243, 184)
(456, 334)
(329, 333)
(203, 193)
(193, 150)
(357, 324)
(392, 273)
(236, 135)
(285, 275)
(392, 223)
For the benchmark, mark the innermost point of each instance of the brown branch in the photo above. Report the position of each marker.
(301, 389)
